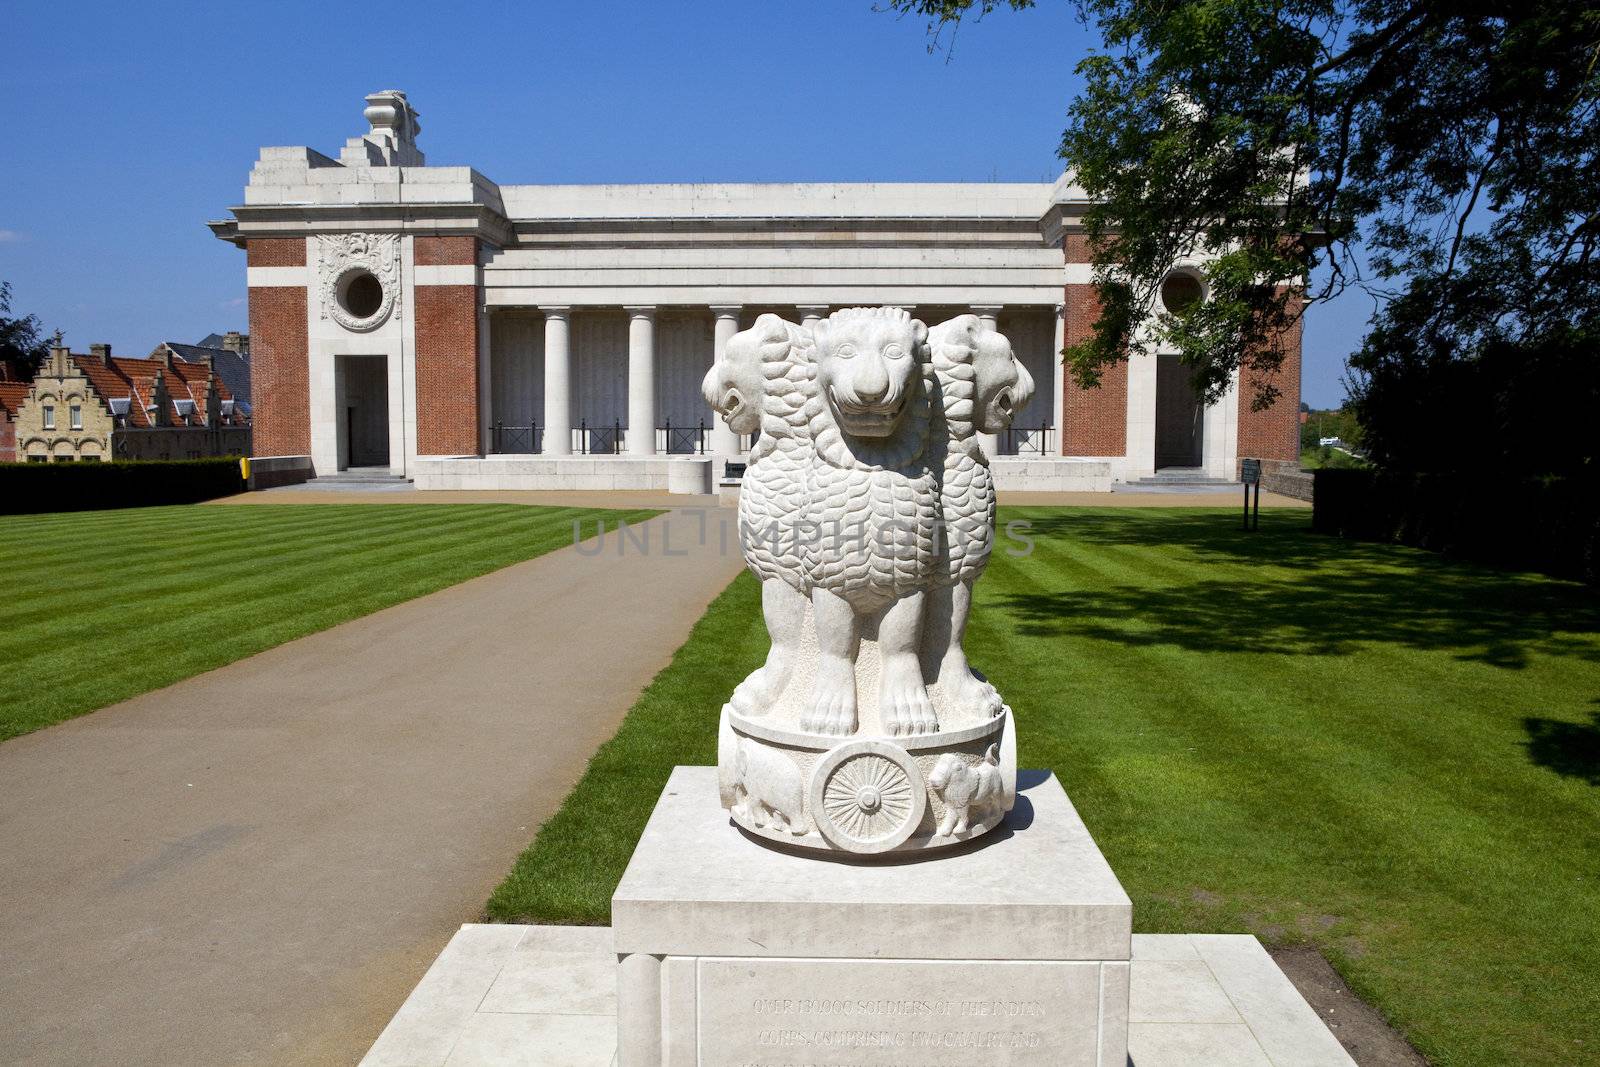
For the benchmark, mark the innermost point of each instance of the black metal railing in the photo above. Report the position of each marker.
(514, 439)
(599, 440)
(1028, 441)
(682, 440)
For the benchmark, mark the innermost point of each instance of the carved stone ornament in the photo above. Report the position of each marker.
(867, 512)
(346, 260)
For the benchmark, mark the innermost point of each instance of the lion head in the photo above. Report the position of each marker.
(1002, 385)
(762, 381)
(736, 384)
(869, 362)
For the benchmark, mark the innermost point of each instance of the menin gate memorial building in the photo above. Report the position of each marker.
(467, 334)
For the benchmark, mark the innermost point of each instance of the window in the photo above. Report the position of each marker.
(38, 459)
(1179, 290)
(75, 413)
(49, 416)
(90, 459)
(361, 295)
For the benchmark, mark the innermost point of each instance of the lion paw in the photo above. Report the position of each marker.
(904, 702)
(755, 695)
(967, 691)
(833, 707)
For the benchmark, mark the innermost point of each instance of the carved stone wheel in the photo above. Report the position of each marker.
(867, 796)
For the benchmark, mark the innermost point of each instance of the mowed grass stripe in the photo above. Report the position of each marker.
(191, 598)
(107, 605)
(225, 557)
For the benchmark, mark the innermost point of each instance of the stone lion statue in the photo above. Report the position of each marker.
(872, 492)
(761, 384)
(981, 387)
(868, 499)
(867, 513)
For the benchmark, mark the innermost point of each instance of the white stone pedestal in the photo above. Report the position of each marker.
(1012, 950)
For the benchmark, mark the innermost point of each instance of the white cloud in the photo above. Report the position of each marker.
(9, 236)
(237, 301)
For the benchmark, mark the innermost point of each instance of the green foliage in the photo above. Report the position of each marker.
(1548, 524)
(1325, 457)
(102, 606)
(1339, 423)
(27, 488)
(1457, 144)
(23, 342)
(1378, 750)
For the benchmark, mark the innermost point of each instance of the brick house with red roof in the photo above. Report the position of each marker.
(12, 393)
(99, 406)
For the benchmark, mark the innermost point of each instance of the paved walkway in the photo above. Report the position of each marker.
(255, 866)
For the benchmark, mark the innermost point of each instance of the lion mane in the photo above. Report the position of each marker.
(772, 495)
(966, 491)
(886, 489)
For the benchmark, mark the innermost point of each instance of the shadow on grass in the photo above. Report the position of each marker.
(1570, 749)
(1285, 589)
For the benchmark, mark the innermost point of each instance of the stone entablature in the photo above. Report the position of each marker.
(559, 276)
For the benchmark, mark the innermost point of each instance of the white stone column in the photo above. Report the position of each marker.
(988, 318)
(557, 381)
(811, 314)
(724, 442)
(641, 381)
(1057, 377)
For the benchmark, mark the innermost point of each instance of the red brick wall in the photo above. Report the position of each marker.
(280, 390)
(1275, 432)
(276, 252)
(447, 368)
(1094, 422)
(1076, 246)
(446, 251)
(8, 438)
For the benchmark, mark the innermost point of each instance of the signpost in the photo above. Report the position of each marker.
(1250, 474)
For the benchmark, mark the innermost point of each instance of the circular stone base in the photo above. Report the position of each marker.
(866, 795)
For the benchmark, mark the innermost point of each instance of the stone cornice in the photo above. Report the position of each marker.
(303, 220)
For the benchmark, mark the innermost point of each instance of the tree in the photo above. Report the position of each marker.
(23, 342)
(1453, 144)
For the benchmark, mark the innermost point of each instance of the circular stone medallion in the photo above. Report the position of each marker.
(867, 796)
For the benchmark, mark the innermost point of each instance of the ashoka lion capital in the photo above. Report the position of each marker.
(867, 512)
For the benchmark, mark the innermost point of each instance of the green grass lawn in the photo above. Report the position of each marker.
(1390, 754)
(104, 605)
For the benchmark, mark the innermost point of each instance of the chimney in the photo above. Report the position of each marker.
(161, 400)
(213, 401)
(234, 341)
(102, 352)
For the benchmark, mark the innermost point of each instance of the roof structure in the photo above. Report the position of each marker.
(232, 367)
(136, 380)
(11, 396)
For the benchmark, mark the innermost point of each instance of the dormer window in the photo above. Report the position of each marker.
(185, 409)
(119, 410)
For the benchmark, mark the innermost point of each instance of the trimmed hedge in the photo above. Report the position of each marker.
(30, 488)
(1548, 524)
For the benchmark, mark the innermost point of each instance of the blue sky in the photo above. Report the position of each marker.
(128, 126)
